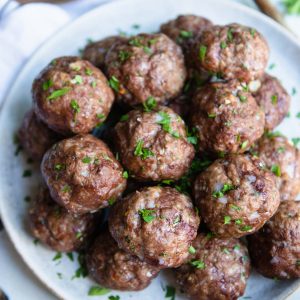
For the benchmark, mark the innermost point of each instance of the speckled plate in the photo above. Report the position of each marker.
(101, 22)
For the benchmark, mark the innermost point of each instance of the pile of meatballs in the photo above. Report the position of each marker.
(171, 134)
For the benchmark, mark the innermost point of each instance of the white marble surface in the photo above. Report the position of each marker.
(16, 279)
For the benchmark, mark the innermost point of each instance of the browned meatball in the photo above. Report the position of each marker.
(231, 51)
(236, 195)
(95, 52)
(116, 269)
(275, 249)
(227, 118)
(147, 65)
(35, 137)
(283, 159)
(185, 27)
(217, 270)
(273, 99)
(71, 96)
(157, 224)
(82, 174)
(54, 226)
(153, 144)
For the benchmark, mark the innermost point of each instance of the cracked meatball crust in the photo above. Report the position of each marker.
(275, 249)
(153, 145)
(82, 174)
(236, 196)
(157, 224)
(114, 268)
(71, 96)
(217, 269)
(147, 65)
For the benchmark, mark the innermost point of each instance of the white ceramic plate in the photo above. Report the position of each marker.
(101, 22)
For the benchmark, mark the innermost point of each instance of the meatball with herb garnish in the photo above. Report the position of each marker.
(217, 269)
(54, 226)
(35, 136)
(184, 28)
(147, 65)
(95, 51)
(113, 268)
(72, 96)
(236, 195)
(273, 99)
(283, 159)
(153, 144)
(82, 174)
(157, 224)
(227, 117)
(275, 249)
(233, 51)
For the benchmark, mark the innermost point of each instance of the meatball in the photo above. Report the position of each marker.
(153, 144)
(116, 269)
(283, 159)
(273, 99)
(184, 28)
(54, 226)
(217, 270)
(95, 52)
(236, 195)
(147, 65)
(35, 137)
(275, 249)
(227, 118)
(157, 224)
(71, 96)
(82, 174)
(231, 51)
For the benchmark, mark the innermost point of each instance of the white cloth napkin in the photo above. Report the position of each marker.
(22, 30)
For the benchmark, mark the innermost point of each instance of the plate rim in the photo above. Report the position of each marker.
(23, 69)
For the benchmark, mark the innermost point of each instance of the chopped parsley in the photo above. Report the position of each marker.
(294, 91)
(114, 297)
(234, 207)
(202, 52)
(165, 122)
(230, 35)
(242, 98)
(275, 169)
(66, 189)
(244, 145)
(292, 6)
(81, 271)
(98, 291)
(237, 247)
(47, 84)
(27, 173)
(246, 228)
(298, 115)
(57, 256)
(93, 84)
(86, 160)
(123, 55)
(114, 83)
(192, 136)
(170, 292)
(272, 66)
(59, 167)
(88, 72)
(199, 264)
(223, 45)
(149, 104)
(192, 250)
(58, 93)
(211, 116)
(274, 99)
(227, 220)
(77, 80)
(298, 262)
(27, 198)
(252, 32)
(111, 201)
(272, 134)
(281, 149)
(70, 256)
(142, 152)
(227, 187)
(186, 34)
(147, 215)
(124, 118)
(75, 106)
(125, 174)
(295, 141)
(238, 221)
(225, 250)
